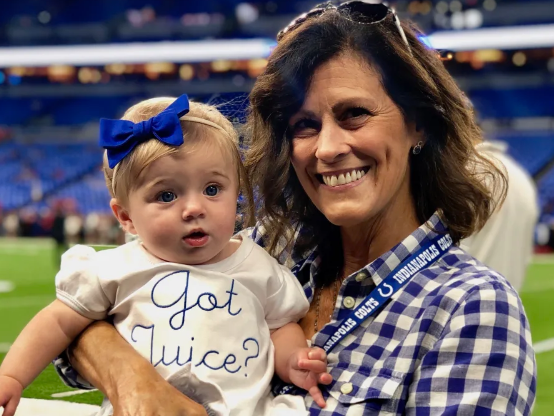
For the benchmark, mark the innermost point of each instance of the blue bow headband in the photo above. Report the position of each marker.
(120, 137)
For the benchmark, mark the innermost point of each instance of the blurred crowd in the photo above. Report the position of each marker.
(61, 221)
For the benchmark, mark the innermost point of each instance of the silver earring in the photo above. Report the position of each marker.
(417, 148)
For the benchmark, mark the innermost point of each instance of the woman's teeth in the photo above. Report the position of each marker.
(343, 179)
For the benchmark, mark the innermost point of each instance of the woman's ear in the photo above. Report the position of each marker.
(122, 215)
(417, 134)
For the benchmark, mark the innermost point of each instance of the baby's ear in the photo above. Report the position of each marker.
(122, 215)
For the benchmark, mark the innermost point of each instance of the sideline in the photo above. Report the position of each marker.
(25, 301)
(543, 259)
(39, 407)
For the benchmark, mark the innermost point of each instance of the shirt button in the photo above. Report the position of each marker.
(349, 302)
(346, 388)
(360, 277)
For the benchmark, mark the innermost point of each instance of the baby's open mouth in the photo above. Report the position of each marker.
(196, 234)
(196, 239)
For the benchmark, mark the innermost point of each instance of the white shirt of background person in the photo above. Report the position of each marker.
(506, 242)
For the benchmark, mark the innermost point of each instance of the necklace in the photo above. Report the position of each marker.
(335, 287)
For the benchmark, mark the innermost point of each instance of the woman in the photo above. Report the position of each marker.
(362, 151)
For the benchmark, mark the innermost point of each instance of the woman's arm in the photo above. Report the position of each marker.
(128, 380)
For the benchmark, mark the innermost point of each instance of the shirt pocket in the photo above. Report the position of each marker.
(381, 389)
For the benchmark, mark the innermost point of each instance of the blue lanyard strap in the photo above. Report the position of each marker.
(422, 259)
(399, 277)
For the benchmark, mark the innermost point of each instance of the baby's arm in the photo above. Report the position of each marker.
(48, 334)
(296, 363)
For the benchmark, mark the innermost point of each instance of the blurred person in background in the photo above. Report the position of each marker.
(2, 229)
(506, 242)
(11, 225)
(58, 232)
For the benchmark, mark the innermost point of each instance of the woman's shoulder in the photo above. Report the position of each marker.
(459, 277)
(288, 254)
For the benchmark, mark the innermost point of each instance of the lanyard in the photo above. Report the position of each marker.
(399, 277)
(395, 280)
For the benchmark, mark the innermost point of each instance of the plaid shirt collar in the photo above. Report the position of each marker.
(380, 268)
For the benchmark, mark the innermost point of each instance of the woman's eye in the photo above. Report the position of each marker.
(354, 113)
(167, 197)
(212, 190)
(304, 128)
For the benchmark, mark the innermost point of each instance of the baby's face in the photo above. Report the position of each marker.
(184, 209)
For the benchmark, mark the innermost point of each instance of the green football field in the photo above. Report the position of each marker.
(30, 265)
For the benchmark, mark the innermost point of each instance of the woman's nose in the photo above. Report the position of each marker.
(332, 143)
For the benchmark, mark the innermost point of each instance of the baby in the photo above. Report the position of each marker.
(201, 305)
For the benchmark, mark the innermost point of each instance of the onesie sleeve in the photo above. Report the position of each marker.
(78, 285)
(287, 303)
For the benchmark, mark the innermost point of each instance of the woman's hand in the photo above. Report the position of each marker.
(128, 380)
(307, 369)
(155, 397)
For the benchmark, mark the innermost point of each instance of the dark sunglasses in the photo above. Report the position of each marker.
(358, 11)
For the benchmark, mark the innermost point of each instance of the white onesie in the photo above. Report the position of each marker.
(208, 324)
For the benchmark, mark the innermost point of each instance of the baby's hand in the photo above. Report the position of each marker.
(307, 369)
(10, 393)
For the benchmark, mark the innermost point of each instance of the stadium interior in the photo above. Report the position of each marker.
(64, 65)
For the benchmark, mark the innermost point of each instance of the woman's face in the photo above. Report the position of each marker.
(350, 145)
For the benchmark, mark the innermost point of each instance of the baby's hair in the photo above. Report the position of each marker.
(216, 131)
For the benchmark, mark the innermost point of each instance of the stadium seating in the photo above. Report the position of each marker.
(30, 172)
(532, 150)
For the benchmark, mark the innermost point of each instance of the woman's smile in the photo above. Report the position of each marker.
(340, 179)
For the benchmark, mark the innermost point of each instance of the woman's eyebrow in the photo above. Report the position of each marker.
(303, 114)
(348, 103)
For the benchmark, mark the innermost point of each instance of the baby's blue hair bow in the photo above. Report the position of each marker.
(120, 137)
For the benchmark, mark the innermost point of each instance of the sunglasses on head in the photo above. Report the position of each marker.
(358, 11)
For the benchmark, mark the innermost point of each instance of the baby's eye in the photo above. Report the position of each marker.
(166, 196)
(211, 190)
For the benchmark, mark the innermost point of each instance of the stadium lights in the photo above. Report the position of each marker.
(517, 37)
(512, 37)
(133, 53)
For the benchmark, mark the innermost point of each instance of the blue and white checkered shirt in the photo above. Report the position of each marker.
(454, 341)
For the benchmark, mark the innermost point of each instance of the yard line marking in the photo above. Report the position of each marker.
(6, 286)
(544, 346)
(25, 301)
(72, 393)
(4, 347)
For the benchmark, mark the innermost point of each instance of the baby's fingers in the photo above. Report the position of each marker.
(324, 378)
(315, 366)
(317, 396)
(317, 354)
(9, 408)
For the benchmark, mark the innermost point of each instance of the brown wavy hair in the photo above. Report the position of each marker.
(448, 176)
